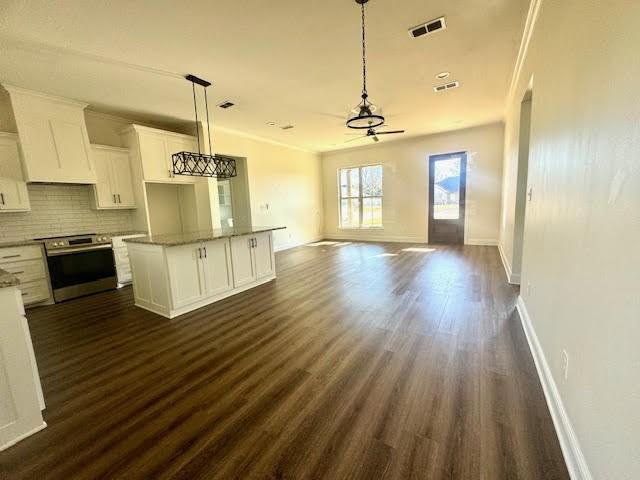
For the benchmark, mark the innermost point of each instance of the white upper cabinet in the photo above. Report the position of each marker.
(114, 186)
(155, 148)
(53, 137)
(13, 189)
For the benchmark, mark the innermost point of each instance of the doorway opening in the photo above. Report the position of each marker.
(447, 192)
(524, 136)
(232, 196)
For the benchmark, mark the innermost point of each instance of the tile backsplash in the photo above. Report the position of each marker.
(58, 210)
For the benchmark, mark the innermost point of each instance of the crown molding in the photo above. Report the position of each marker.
(15, 90)
(532, 17)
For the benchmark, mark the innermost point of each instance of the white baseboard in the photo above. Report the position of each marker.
(289, 245)
(42, 426)
(511, 278)
(573, 456)
(373, 237)
(488, 242)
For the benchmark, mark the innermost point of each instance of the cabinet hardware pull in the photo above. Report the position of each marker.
(119, 200)
(23, 293)
(114, 197)
(11, 256)
(2, 197)
(18, 273)
(205, 252)
(199, 253)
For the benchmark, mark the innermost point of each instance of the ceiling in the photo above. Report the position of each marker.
(285, 61)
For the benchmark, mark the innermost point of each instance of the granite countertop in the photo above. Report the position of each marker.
(21, 243)
(8, 279)
(123, 234)
(170, 240)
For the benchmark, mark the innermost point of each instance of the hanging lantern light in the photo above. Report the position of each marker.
(202, 164)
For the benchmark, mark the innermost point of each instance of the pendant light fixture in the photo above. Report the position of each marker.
(365, 115)
(200, 164)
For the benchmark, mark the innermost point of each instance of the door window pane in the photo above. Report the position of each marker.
(446, 185)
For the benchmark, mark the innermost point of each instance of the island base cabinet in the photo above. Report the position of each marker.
(173, 280)
(253, 258)
(217, 271)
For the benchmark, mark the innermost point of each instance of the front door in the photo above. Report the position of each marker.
(447, 187)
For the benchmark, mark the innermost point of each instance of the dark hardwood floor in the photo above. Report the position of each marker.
(361, 361)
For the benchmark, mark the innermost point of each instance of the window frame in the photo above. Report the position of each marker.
(360, 198)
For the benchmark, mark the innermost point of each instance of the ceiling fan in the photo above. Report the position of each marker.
(366, 115)
(374, 135)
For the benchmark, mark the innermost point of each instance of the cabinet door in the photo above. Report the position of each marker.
(185, 275)
(155, 159)
(176, 145)
(263, 255)
(217, 267)
(242, 260)
(13, 189)
(73, 157)
(103, 189)
(123, 185)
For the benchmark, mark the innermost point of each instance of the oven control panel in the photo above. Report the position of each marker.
(77, 241)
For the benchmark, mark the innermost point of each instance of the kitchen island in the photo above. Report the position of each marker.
(21, 400)
(176, 273)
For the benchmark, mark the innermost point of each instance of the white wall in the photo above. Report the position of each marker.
(406, 184)
(284, 186)
(582, 228)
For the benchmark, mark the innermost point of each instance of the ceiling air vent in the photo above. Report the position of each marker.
(446, 86)
(428, 28)
(226, 104)
(287, 127)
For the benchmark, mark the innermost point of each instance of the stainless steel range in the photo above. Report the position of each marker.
(80, 265)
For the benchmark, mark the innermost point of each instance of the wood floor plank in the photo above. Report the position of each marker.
(361, 361)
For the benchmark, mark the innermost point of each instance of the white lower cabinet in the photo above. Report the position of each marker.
(216, 267)
(21, 399)
(199, 271)
(27, 263)
(244, 272)
(185, 274)
(198, 274)
(263, 256)
(253, 258)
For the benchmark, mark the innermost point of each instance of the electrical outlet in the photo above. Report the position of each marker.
(565, 364)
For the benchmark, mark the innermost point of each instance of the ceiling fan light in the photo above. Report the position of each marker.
(364, 116)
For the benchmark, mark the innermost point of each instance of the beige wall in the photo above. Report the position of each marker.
(284, 186)
(581, 266)
(405, 184)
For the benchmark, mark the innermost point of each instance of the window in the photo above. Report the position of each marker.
(360, 197)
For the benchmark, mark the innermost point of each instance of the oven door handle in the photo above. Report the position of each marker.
(66, 251)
